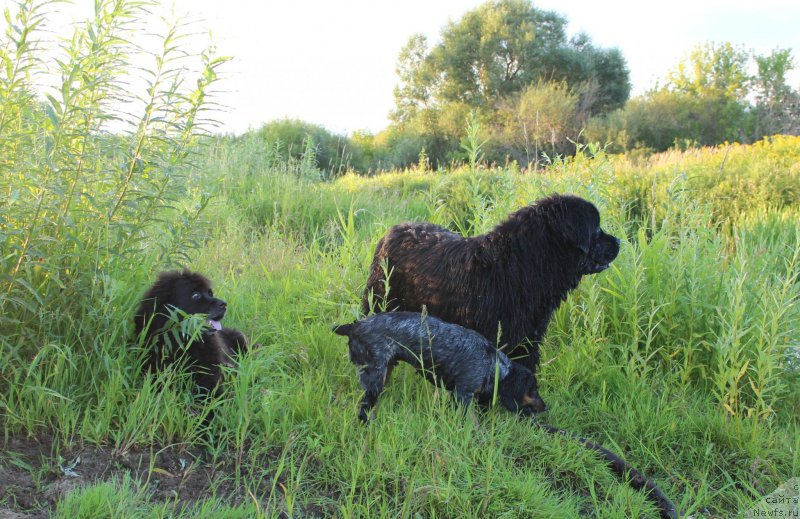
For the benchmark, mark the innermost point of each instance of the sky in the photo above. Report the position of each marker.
(332, 62)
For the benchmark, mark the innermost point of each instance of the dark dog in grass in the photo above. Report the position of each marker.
(461, 360)
(511, 279)
(203, 353)
(467, 364)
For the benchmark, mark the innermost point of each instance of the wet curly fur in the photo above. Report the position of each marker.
(515, 276)
(461, 360)
(466, 363)
(190, 292)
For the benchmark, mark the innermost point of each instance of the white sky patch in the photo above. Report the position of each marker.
(333, 62)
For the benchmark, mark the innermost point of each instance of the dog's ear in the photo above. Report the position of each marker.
(576, 232)
(151, 308)
(343, 329)
(512, 387)
(509, 402)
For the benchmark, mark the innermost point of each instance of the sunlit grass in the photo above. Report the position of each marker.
(675, 357)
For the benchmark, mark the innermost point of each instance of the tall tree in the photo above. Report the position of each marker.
(713, 70)
(500, 48)
(777, 104)
(413, 93)
(715, 77)
(491, 55)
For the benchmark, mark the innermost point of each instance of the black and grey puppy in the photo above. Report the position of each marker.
(461, 360)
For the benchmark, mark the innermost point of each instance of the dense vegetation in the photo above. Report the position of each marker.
(538, 93)
(683, 356)
(710, 98)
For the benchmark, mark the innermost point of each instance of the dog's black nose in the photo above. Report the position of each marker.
(222, 303)
(617, 240)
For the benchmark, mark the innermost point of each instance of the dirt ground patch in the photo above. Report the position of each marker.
(33, 477)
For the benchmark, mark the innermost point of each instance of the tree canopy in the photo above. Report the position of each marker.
(710, 97)
(490, 61)
(499, 49)
(535, 92)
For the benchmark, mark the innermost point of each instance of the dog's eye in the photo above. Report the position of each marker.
(210, 293)
(196, 296)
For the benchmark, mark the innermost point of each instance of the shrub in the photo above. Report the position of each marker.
(543, 119)
(299, 140)
(80, 198)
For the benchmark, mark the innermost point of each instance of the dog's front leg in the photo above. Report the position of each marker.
(372, 381)
(463, 397)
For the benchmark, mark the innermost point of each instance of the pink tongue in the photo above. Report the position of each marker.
(216, 325)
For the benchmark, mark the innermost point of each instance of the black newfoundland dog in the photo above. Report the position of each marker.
(511, 279)
(204, 354)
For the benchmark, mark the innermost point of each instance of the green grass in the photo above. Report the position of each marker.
(682, 356)
(675, 357)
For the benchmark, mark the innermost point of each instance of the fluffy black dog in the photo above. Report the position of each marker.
(204, 356)
(462, 360)
(513, 277)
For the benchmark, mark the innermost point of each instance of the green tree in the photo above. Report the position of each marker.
(713, 70)
(500, 48)
(777, 104)
(487, 58)
(413, 93)
(541, 119)
(707, 99)
(716, 76)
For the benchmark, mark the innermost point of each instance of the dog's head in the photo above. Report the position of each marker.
(519, 393)
(576, 223)
(188, 291)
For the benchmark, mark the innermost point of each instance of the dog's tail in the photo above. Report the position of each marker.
(623, 469)
(344, 329)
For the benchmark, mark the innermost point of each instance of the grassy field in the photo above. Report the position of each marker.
(679, 356)
(682, 357)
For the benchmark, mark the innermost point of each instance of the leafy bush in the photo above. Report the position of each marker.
(709, 99)
(81, 201)
(312, 143)
(664, 119)
(542, 120)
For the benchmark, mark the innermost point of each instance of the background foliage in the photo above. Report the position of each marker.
(80, 201)
(539, 94)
